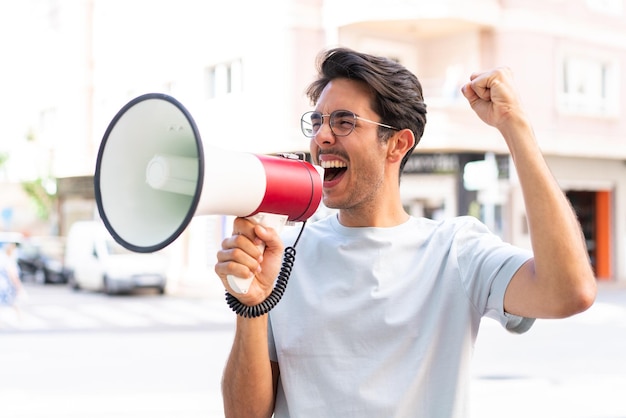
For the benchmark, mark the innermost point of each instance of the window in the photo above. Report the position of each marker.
(609, 7)
(588, 85)
(222, 79)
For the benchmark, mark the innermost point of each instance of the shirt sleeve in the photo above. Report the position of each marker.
(487, 264)
(513, 323)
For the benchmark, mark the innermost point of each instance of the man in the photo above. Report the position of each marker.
(382, 309)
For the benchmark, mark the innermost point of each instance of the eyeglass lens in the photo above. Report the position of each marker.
(342, 122)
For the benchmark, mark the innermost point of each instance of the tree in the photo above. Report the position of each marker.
(41, 195)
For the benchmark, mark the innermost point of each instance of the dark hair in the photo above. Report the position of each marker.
(397, 93)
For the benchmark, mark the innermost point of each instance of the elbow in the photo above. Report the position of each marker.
(587, 296)
(580, 298)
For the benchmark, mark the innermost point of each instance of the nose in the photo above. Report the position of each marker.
(324, 135)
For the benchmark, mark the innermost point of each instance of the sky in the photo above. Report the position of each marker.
(19, 46)
(21, 80)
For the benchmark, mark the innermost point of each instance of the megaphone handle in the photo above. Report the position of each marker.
(272, 220)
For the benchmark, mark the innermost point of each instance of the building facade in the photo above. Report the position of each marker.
(241, 69)
(567, 58)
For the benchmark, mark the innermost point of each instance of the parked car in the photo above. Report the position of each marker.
(41, 260)
(97, 262)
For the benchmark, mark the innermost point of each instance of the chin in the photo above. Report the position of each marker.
(331, 204)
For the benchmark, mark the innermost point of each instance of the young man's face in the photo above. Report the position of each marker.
(354, 164)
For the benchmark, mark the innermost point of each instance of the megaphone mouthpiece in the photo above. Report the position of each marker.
(293, 188)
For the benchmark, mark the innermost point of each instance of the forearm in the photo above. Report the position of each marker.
(561, 265)
(247, 385)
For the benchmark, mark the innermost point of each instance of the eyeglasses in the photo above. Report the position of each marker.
(342, 122)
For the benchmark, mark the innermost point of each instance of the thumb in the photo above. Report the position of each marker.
(270, 237)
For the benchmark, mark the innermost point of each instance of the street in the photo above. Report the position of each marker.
(83, 354)
(566, 368)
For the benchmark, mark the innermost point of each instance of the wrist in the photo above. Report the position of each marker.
(517, 123)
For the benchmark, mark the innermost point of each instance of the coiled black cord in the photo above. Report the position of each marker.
(289, 256)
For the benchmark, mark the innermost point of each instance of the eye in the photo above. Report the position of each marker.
(344, 121)
(316, 122)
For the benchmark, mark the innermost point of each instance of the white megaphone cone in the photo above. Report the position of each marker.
(153, 175)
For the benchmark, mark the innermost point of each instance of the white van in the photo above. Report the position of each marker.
(97, 262)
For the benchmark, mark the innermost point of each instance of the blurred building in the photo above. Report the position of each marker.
(241, 68)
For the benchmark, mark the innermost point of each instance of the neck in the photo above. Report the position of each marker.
(373, 216)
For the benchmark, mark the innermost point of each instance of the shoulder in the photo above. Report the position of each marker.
(459, 226)
(466, 222)
(468, 226)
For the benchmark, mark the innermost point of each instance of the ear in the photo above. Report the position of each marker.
(399, 144)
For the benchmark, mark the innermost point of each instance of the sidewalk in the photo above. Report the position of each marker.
(566, 368)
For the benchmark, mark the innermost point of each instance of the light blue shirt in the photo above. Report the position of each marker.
(381, 322)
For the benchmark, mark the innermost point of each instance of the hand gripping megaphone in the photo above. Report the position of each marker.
(153, 175)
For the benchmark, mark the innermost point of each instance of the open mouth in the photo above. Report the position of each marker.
(333, 170)
(331, 174)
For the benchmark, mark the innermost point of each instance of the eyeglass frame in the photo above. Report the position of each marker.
(331, 116)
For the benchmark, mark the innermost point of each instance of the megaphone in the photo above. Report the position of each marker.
(153, 175)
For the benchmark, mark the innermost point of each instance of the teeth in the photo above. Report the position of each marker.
(333, 164)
